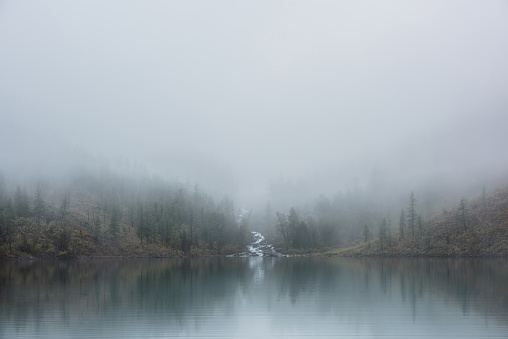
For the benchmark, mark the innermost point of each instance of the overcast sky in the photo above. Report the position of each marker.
(233, 94)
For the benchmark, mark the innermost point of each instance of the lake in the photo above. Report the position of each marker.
(255, 297)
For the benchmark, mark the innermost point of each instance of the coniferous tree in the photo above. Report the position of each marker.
(419, 223)
(114, 221)
(3, 231)
(141, 223)
(461, 217)
(166, 226)
(283, 228)
(382, 233)
(21, 203)
(97, 227)
(9, 217)
(64, 208)
(402, 224)
(39, 205)
(484, 197)
(389, 239)
(3, 191)
(131, 215)
(428, 236)
(185, 243)
(366, 233)
(293, 222)
(411, 214)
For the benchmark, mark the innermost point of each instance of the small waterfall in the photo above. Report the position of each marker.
(258, 248)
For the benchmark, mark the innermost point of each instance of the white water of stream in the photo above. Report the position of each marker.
(259, 248)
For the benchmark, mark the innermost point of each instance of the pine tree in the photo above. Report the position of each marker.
(114, 221)
(3, 191)
(428, 237)
(382, 233)
(293, 222)
(9, 217)
(64, 208)
(484, 197)
(39, 205)
(461, 217)
(21, 203)
(131, 215)
(411, 214)
(366, 233)
(141, 223)
(283, 228)
(97, 227)
(402, 224)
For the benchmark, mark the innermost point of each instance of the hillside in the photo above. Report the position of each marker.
(105, 214)
(75, 237)
(476, 228)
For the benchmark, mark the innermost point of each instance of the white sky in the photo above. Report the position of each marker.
(232, 94)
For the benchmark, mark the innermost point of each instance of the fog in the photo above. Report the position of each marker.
(239, 97)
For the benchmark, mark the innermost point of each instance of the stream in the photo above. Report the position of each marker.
(259, 248)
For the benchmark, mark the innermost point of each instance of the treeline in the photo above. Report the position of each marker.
(476, 227)
(103, 212)
(359, 211)
(347, 221)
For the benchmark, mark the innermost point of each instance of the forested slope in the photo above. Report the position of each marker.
(475, 228)
(104, 213)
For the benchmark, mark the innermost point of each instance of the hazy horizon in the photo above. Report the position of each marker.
(236, 96)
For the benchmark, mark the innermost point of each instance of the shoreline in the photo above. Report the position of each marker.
(130, 257)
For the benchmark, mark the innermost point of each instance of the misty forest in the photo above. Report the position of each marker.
(253, 169)
(177, 144)
(97, 211)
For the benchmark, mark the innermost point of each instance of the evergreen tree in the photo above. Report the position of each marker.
(64, 208)
(390, 237)
(3, 231)
(302, 236)
(411, 214)
(293, 222)
(461, 216)
(428, 236)
(114, 221)
(175, 221)
(283, 228)
(383, 233)
(366, 233)
(419, 223)
(166, 226)
(21, 203)
(3, 191)
(141, 223)
(402, 224)
(97, 227)
(39, 205)
(131, 215)
(185, 242)
(9, 218)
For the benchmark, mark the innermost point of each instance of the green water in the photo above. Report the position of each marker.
(255, 298)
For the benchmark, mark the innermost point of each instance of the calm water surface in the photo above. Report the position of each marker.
(255, 297)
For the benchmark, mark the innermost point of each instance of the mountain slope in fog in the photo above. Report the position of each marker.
(105, 213)
(475, 228)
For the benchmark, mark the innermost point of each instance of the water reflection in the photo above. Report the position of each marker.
(255, 297)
